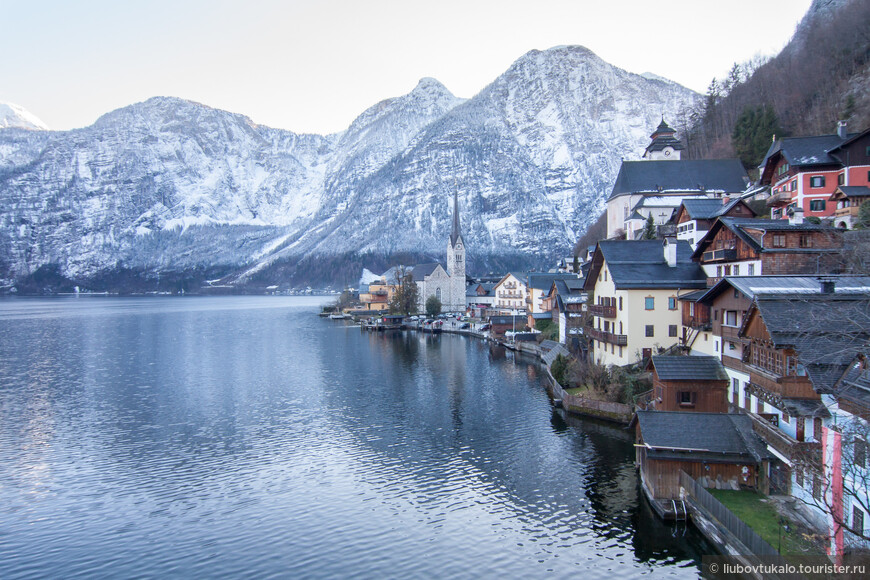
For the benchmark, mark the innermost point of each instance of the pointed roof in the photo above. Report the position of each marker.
(455, 234)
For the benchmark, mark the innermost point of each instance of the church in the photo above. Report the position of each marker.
(446, 285)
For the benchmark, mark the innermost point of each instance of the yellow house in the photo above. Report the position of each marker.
(633, 289)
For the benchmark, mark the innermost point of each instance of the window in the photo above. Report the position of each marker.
(672, 330)
(751, 269)
(841, 179)
(747, 400)
(793, 185)
(857, 520)
(737, 269)
(817, 181)
(620, 352)
(799, 477)
(806, 241)
(672, 303)
(779, 240)
(620, 303)
(785, 418)
(735, 390)
(718, 271)
(782, 169)
(730, 318)
(687, 398)
(649, 303)
(728, 269)
(817, 428)
(650, 330)
(860, 453)
(817, 205)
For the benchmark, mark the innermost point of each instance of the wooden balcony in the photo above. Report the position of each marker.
(722, 255)
(603, 310)
(847, 211)
(788, 387)
(779, 199)
(608, 337)
(785, 444)
(698, 322)
(731, 333)
(735, 364)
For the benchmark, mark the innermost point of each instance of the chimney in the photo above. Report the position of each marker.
(827, 285)
(841, 129)
(670, 249)
(796, 216)
(726, 199)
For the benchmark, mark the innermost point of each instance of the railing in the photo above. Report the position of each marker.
(603, 310)
(734, 363)
(697, 322)
(789, 387)
(608, 337)
(720, 255)
(783, 197)
(847, 211)
(644, 401)
(726, 518)
(784, 443)
(731, 333)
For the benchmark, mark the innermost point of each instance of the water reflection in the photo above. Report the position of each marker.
(247, 437)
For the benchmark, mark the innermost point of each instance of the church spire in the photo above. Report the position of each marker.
(455, 234)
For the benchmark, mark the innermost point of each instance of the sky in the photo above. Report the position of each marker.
(313, 66)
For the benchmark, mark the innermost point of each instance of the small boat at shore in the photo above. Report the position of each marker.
(339, 316)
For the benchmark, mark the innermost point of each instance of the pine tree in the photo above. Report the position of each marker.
(649, 230)
(752, 134)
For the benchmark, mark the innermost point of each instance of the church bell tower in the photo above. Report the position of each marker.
(456, 261)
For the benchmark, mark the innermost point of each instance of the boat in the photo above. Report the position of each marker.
(339, 316)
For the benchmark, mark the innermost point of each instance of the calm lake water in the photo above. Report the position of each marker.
(246, 437)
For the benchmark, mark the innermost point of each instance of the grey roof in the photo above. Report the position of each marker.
(635, 215)
(707, 209)
(641, 264)
(697, 175)
(855, 383)
(544, 280)
(689, 368)
(509, 319)
(803, 151)
(712, 435)
(487, 286)
(828, 331)
(750, 286)
(805, 408)
(693, 296)
(574, 284)
(854, 190)
(420, 271)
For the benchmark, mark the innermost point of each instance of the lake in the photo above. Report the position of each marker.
(180, 437)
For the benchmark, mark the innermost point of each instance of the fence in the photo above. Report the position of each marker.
(726, 518)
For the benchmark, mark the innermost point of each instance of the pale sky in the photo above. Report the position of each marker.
(313, 66)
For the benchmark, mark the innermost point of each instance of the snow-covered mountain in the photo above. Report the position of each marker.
(169, 186)
(17, 117)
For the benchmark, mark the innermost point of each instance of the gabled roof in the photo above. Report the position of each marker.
(689, 368)
(641, 264)
(691, 176)
(708, 209)
(854, 386)
(743, 228)
(828, 331)
(487, 287)
(420, 271)
(542, 280)
(806, 151)
(722, 436)
(850, 192)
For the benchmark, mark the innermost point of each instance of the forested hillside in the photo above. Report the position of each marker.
(820, 77)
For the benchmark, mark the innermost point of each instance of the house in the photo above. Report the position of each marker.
(756, 247)
(803, 172)
(567, 303)
(718, 450)
(634, 287)
(688, 383)
(510, 292)
(479, 298)
(377, 295)
(848, 200)
(662, 209)
(695, 216)
(538, 286)
(662, 175)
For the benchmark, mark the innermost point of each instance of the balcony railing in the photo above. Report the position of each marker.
(788, 387)
(784, 443)
(781, 198)
(697, 322)
(608, 337)
(603, 310)
(847, 211)
(735, 364)
(731, 333)
(722, 255)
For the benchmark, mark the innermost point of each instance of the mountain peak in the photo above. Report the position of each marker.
(17, 117)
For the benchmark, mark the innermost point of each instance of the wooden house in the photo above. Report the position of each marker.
(848, 200)
(756, 247)
(695, 216)
(688, 383)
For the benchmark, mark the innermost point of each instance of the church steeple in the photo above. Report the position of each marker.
(664, 144)
(455, 234)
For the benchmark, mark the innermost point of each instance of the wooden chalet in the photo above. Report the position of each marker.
(688, 383)
(756, 247)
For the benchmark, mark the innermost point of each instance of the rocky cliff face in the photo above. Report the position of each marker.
(169, 186)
